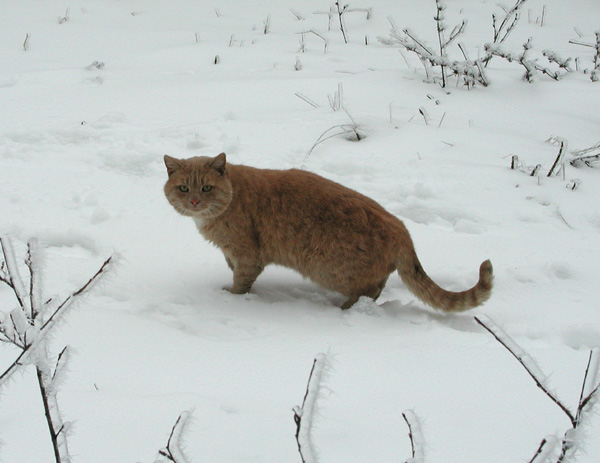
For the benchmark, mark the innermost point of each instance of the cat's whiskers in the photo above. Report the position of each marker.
(212, 211)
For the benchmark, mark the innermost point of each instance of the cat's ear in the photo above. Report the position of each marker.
(172, 164)
(218, 163)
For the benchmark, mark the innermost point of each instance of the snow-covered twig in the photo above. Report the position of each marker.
(470, 71)
(306, 99)
(343, 129)
(415, 434)
(425, 115)
(321, 36)
(12, 276)
(588, 390)
(340, 11)
(506, 26)
(514, 162)
(587, 396)
(26, 42)
(33, 262)
(558, 162)
(531, 66)
(595, 74)
(337, 100)
(299, 16)
(173, 452)
(579, 42)
(65, 18)
(58, 429)
(524, 359)
(27, 327)
(441, 26)
(553, 57)
(585, 156)
(544, 451)
(586, 150)
(303, 415)
(267, 25)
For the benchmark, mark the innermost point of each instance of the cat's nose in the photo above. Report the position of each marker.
(194, 202)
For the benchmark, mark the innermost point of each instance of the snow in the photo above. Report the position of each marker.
(81, 169)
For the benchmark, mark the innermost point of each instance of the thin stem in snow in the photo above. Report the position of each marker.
(439, 20)
(173, 451)
(321, 36)
(415, 434)
(558, 162)
(12, 277)
(53, 419)
(303, 415)
(506, 26)
(544, 450)
(341, 10)
(28, 349)
(35, 283)
(524, 359)
(567, 442)
(595, 74)
(587, 389)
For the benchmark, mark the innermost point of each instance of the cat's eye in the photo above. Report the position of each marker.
(206, 188)
(183, 188)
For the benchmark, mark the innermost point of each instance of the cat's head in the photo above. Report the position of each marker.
(198, 186)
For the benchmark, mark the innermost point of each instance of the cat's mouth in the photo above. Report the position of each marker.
(203, 212)
(195, 209)
(190, 210)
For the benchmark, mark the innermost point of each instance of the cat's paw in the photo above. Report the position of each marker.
(234, 290)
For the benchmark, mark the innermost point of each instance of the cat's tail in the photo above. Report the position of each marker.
(419, 283)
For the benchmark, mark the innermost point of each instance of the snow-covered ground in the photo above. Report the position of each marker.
(81, 148)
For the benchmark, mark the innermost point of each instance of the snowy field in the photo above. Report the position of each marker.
(91, 103)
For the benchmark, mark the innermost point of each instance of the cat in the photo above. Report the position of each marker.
(340, 239)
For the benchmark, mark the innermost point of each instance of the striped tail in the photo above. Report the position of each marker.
(419, 283)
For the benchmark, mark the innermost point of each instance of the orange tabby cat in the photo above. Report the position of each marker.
(335, 236)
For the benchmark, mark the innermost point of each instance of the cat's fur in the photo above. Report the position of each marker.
(335, 236)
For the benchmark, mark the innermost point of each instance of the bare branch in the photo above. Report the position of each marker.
(12, 272)
(506, 26)
(26, 42)
(584, 156)
(415, 435)
(303, 415)
(543, 451)
(306, 99)
(558, 162)
(524, 359)
(173, 451)
(73, 296)
(321, 36)
(585, 397)
(53, 418)
(341, 10)
(35, 284)
(28, 349)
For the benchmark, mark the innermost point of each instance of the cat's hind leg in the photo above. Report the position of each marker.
(376, 292)
(373, 292)
(349, 302)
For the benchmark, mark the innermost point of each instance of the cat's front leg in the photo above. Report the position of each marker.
(244, 276)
